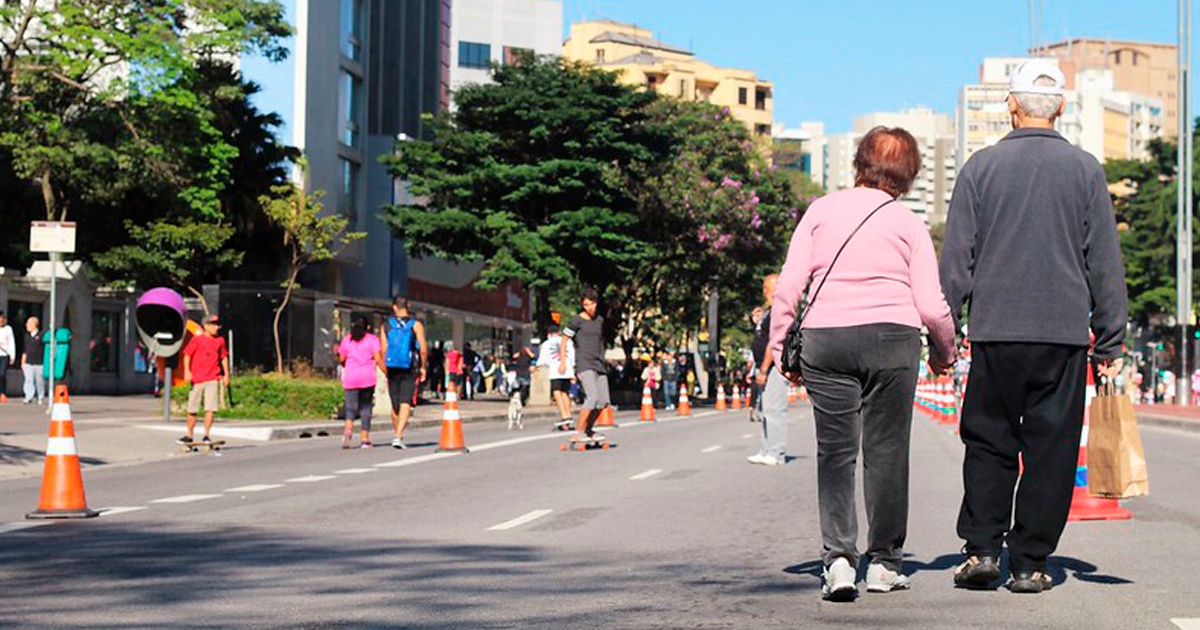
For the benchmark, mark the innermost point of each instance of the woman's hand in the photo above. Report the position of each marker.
(793, 377)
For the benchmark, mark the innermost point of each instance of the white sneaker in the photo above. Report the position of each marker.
(398, 443)
(839, 583)
(772, 461)
(881, 579)
(757, 458)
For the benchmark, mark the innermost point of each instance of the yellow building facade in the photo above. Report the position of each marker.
(644, 61)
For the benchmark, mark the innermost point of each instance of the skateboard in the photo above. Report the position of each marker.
(563, 425)
(598, 442)
(200, 447)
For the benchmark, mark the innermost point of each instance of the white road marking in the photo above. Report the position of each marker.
(514, 442)
(645, 475)
(113, 511)
(186, 498)
(747, 436)
(311, 478)
(712, 449)
(1187, 624)
(354, 471)
(519, 521)
(13, 527)
(258, 487)
(415, 460)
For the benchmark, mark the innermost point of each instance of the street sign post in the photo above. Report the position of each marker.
(54, 238)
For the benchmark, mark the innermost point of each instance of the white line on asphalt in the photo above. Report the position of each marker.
(747, 436)
(1187, 624)
(258, 487)
(12, 527)
(515, 441)
(311, 478)
(519, 521)
(354, 471)
(186, 498)
(645, 475)
(113, 511)
(712, 449)
(415, 460)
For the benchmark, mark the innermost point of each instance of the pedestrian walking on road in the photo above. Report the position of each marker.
(360, 353)
(8, 354)
(32, 360)
(670, 380)
(772, 386)
(585, 332)
(206, 367)
(1031, 244)
(405, 354)
(558, 358)
(861, 334)
(454, 368)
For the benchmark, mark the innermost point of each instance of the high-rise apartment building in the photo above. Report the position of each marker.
(1107, 123)
(670, 70)
(983, 117)
(801, 149)
(485, 32)
(1142, 68)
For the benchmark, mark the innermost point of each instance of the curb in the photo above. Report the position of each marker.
(324, 429)
(1170, 422)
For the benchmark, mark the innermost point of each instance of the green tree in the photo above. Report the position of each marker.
(308, 237)
(526, 176)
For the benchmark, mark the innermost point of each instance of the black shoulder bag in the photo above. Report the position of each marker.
(793, 342)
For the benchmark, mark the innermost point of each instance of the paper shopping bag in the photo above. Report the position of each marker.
(1115, 459)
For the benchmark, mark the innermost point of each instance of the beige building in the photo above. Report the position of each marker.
(983, 117)
(1108, 123)
(1141, 68)
(644, 61)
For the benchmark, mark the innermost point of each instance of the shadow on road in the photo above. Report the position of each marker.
(1059, 567)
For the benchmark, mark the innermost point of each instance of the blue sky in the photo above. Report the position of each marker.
(833, 60)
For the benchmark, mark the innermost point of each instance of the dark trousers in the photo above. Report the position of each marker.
(1026, 399)
(861, 380)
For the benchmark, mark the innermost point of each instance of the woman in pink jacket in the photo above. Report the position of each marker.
(861, 351)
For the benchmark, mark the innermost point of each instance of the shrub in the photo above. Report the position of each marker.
(276, 397)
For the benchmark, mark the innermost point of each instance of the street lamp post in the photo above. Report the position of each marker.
(1183, 187)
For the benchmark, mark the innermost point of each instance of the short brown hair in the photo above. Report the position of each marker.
(889, 159)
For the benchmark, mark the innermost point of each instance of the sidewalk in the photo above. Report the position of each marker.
(128, 429)
(1174, 416)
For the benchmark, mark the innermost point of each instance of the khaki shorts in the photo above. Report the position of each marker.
(209, 392)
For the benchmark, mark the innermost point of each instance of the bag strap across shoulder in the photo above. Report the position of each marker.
(841, 249)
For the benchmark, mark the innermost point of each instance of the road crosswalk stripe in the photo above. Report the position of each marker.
(520, 520)
(645, 475)
(186, 498)
(712, 449)
(258, 487)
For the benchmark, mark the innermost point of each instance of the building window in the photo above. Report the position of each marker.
(351, 25)
(349, 109)
(762, 130)
(600, 55)
(103, 346)
(348, 201)
(683, 87)
(742, 96)
(513, 53)
(473, 55)
(760, 99)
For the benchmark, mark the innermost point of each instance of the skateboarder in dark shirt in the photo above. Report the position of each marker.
(586, 332)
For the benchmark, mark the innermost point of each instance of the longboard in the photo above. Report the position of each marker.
(563, 425)
(198, 447)
(586, 445)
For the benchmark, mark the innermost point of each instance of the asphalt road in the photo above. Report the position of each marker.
(670, 529)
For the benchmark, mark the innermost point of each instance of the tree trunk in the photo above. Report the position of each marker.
(542, 316)
(287, 297)
(200, 296)
(48, 194)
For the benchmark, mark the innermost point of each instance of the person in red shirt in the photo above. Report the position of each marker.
(454, 367)
(206, 367)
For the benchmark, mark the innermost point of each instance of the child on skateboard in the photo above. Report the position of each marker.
(206, 367)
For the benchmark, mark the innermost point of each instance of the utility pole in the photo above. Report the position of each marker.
(1183, 187)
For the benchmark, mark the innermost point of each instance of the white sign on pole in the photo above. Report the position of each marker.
(52, 236)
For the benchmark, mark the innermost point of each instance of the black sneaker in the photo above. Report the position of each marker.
(1030, 582)
(977, 573)
(206, 440)
(187, 439)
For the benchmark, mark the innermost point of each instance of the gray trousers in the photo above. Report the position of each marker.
(774, 411)
(861, 380)
(34, 383)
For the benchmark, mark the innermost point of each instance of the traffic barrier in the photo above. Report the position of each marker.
(1084, 506)
(62, 478)
(647, 405)
(451, 439)
(737, 397)
(684, 408)
(720, 397)
(606, 419)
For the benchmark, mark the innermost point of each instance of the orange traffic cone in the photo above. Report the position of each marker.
(685, 405)
(606, 419)
(748, 397)
(737, 397)
(647, 405)
(791, 394)
(803, 393)
(62, 479)
(720, 397)
(3, 397)
(452, 433)
(1084, 506)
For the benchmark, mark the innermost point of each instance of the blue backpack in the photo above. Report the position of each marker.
(401, 342)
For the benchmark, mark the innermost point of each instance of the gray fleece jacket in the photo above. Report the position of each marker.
(1031, 246)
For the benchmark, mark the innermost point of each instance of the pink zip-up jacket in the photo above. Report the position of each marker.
(888, 273)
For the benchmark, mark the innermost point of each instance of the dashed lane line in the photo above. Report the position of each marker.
(515, 441)
(711, 449)
(519, 521)
(415, 460)
(747, 436)
(311, 478)
(355, 471)
(645, 475)
(1187, 624)
(113, 511)
(186, 498)
(258, 487)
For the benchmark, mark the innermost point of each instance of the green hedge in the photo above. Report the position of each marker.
(273, 397)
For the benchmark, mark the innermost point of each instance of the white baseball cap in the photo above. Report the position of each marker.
(1025, 75)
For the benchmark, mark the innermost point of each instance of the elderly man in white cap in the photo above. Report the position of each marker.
(1031, 246)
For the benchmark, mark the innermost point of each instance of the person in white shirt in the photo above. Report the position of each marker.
(8, 354)
(559, 360)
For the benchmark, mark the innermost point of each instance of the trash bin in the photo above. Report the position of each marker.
(62, 347)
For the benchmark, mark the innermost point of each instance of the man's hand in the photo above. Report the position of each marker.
(792, 377)
(225, 380)
(940, 369)
(1110, 368)
(187, 377)
(562, 368)
(421, 375)
(760, 379)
